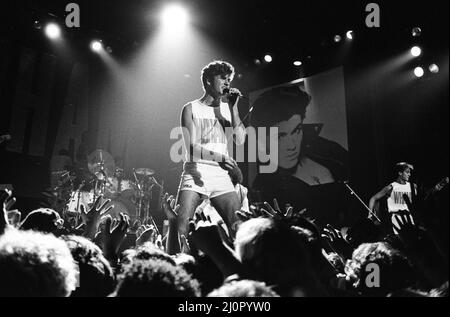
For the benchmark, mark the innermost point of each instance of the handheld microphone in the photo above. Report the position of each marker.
(227, 91)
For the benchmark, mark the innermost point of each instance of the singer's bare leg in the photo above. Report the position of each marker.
(227, 205)
(188, 201)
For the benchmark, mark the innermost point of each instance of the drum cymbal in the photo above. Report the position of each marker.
(101, 161)
(144, 171)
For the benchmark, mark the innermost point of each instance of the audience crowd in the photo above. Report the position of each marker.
(274, 253)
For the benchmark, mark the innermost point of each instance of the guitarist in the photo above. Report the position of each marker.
(395, 193)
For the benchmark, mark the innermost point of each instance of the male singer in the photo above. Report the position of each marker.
(207, 162)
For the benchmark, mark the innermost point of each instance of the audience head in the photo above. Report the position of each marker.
(207, 273)
(96, 277)
(394, 270)
(244, 288)
(187, 262)
(43, 219)
(155, 278)
(364, 231)
(273, 252)
(147, 251)
(35, 264)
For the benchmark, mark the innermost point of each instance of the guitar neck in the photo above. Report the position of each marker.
(437, 187)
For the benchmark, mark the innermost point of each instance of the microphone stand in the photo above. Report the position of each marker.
(139, 200)
(352, 192)
(153, 181)
(143, 204)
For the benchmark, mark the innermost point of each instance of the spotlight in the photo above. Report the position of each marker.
(298, 63)
(37, 25)
(257, 62)
(109, 49)
(96, 46)
(268, 58)
(174, 16)
(337, 38)
(349, 35)
(52, 30)
(416, 32)
(433, 68)
(418, 71)
(416, 51)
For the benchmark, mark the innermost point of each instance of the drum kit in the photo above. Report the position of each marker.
(79, 188)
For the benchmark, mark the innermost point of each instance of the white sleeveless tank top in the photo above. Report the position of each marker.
(395, 201)
(207, 130)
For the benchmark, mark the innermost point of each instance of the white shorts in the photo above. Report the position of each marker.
(206, 179)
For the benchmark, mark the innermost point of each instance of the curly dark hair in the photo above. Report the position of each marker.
(156, 278)
(96, 277)
(147, 251)
(396, 272)
(216, 68)
(42, 219)
(244, 288)
(275, 254)
(34, 264)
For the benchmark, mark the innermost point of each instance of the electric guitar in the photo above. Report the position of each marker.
(439, 186)
(377, 208)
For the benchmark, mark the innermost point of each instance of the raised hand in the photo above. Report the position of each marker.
(169, 206)
(421, 250)
(96, 211)
(205, 234)
(144, 233)
(5, 202)
(272, 212)
(13, 217)
(407, 231)
(141, 229)
(227, 163)
(113, 234)
(337, 242)
(92, 217)
(206, 237)
(253, 212)
(9, 202)
(276, 211)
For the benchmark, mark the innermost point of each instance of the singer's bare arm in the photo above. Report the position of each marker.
(382, 193)
(239, 129)
(197, 151)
